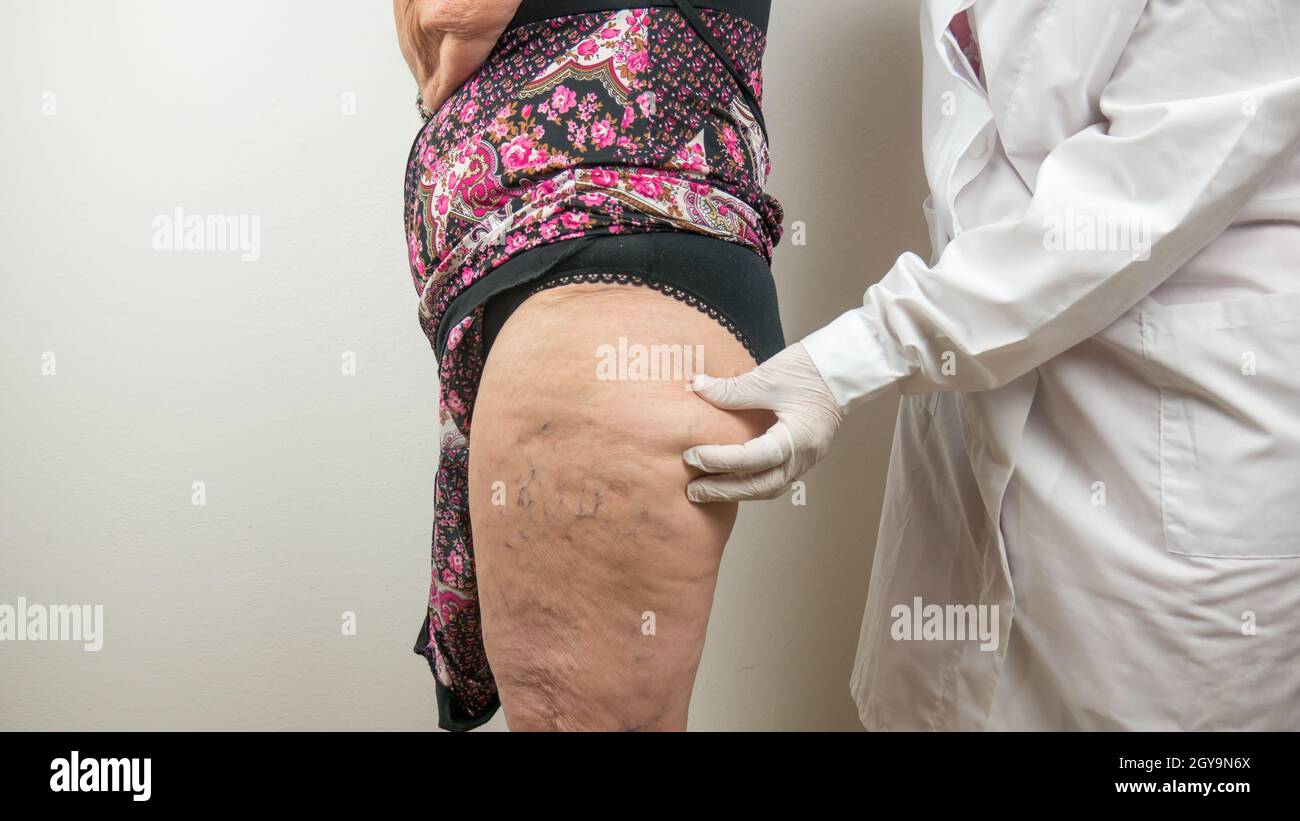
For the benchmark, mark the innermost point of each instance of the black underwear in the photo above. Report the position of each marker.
(729, 282)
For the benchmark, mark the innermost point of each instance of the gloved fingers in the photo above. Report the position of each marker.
(758, 454)
(744, 392)
(739, 488)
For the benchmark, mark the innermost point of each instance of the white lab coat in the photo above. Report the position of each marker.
(1103, 442)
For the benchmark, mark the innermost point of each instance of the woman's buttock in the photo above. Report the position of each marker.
(596, 574)
(621, 349)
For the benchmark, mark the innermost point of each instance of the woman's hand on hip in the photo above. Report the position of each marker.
(445, 41)
(808, 416)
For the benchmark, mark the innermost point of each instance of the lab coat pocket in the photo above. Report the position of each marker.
(1229, 380)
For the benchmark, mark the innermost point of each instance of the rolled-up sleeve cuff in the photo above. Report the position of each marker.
(852, 360)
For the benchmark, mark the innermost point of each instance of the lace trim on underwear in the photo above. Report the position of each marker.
(602, 278)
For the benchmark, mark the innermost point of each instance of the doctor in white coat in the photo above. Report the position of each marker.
(1099, 435)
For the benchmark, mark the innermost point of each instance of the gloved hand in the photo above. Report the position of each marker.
(763, 468)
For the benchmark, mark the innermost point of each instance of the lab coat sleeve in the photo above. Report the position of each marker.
(1191, 128)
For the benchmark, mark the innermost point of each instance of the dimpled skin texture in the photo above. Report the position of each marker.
(595, 533)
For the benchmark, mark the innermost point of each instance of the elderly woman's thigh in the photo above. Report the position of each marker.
(596, 574)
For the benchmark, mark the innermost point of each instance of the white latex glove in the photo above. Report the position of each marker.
(763, 468)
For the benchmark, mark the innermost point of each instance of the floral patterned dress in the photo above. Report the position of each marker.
(597, 123)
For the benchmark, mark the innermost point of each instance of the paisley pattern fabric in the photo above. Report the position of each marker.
(590, 124)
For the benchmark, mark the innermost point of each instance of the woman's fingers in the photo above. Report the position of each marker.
(445, 41)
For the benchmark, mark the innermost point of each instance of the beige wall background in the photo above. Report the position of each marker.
(179, 367)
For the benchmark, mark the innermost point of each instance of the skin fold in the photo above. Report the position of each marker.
(596, 574)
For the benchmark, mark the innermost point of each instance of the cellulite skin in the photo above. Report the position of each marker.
(596, 574)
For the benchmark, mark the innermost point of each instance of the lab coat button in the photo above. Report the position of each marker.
(979, 146)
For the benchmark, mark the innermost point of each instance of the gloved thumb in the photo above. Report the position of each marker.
(742, 392)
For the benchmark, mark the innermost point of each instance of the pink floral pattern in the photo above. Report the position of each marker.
(590, 124)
